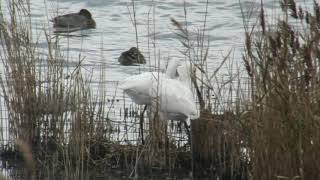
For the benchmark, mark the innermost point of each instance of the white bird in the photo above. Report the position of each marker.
(173, 96)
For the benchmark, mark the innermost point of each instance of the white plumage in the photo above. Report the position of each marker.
(173, 96)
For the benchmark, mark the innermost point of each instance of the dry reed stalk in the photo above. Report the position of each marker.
(209, 155)
(2, 177)
(56, 116)
(26, 152)
(283, 137)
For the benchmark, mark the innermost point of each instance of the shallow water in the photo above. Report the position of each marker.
(115, 33)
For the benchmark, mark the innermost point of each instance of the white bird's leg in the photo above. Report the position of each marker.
(163, 116)
(187, 131)
(141, 123)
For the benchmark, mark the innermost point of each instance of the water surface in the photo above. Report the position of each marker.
(115, 33)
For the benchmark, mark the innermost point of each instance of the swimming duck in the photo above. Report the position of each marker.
(132, 56)
(81, 20)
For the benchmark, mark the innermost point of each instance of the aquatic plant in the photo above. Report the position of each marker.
(264, 129)
(217, 135)
(51, 111)
(282, 60)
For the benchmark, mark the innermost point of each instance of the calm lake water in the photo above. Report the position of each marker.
(115, 33)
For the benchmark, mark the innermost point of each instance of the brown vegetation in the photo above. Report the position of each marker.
(60, 127)
(283, 126)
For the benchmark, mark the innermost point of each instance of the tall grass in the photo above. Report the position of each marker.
(60, 126)
(283, 125)
(218, 134)
(53, 114)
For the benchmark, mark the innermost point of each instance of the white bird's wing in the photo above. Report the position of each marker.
(172, 95)
(176, 97)
(139, 87)
(136, 81)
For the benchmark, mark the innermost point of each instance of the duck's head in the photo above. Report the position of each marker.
(86, 13)
(133, 50)
(133, 55)
(90, 22)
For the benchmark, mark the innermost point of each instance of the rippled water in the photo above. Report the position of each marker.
(115, 33)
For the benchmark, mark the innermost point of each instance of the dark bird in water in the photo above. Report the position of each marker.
(75, 21)
(132, 56)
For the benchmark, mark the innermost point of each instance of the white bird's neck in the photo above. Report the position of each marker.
(184, 72)
(172, 68)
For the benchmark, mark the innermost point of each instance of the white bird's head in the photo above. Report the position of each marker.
(185, 71)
